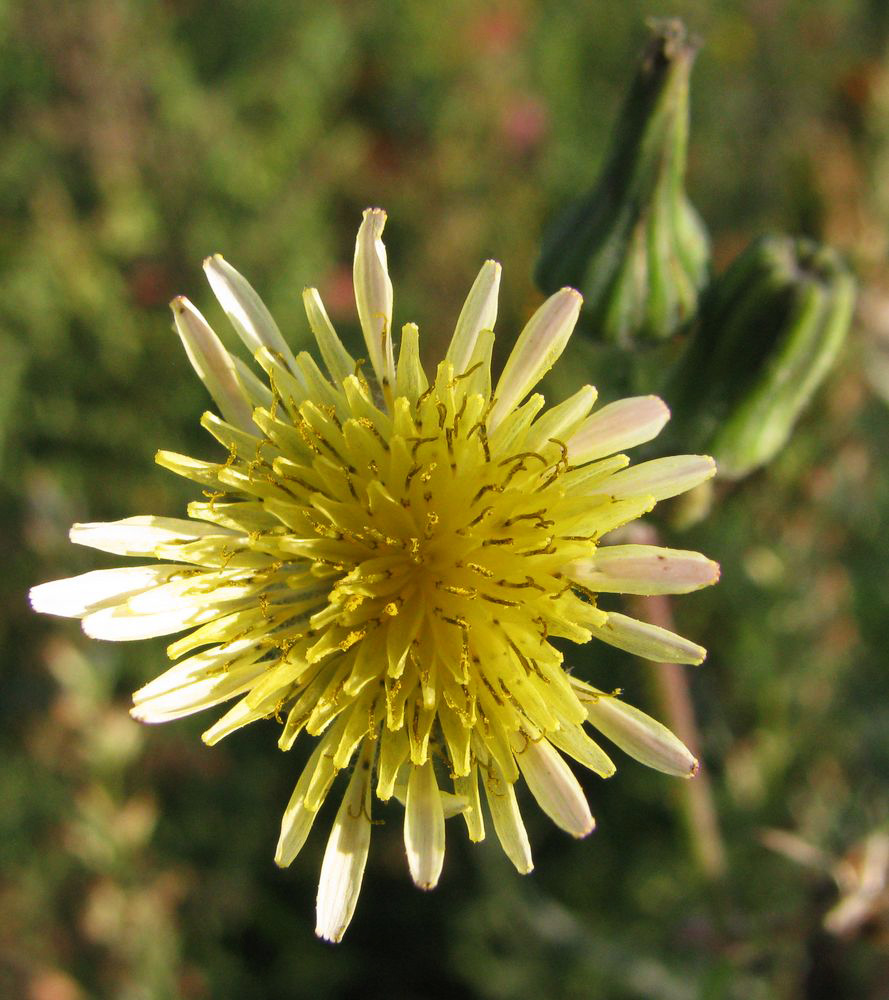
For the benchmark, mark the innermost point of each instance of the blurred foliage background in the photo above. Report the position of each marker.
(141, 136)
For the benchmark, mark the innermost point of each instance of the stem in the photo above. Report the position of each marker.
(671, 687)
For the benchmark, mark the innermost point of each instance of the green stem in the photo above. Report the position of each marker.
(671, 688)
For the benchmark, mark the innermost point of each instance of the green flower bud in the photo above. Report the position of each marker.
(634, 246)
(769, 331)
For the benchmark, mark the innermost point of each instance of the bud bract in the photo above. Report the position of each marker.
(769, 330)
(634, 246)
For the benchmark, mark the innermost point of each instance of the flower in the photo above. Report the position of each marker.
(384, 563)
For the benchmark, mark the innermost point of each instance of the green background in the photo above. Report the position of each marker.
(140, 137)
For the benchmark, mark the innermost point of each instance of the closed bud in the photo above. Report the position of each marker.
(635, 247)
(769, 330)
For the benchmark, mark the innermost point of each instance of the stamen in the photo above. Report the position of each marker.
(451, 588)
(480, 517)
(461, 623)
(516, 469)
(409, 477)
(418, 441)
(306, 433)
(520, 656)
(499, 600)
(547, 550)
(523, 455)
(529, 581)
(351, 485)
(424, 397)
(351, 639)
(476, 568)
(487, 488)
(495, 694)
(369, 425)
(467, 373)
(536, 516)
(459, 414)
(564, 450)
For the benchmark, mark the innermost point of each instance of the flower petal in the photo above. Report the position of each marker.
(574, 741)
(394, 750)
(103, 588)
(479, 313)
(216, 660)
(467, 788)
(238, 716)
(642, 737)
(651, 642)
(373, 295)
(298, 818)
(660, 478)
(342, 869)
(480, 366)
(643, 569)
(339, 362)
(258, 392)
(623, 424)
(411, 379)
(245, 309)
(120, 624)
(200, 693)
(560, 422)
(507, 819)
(424, 826)
(538, 348)
(141, 535)
(213, 364)
(553, 784)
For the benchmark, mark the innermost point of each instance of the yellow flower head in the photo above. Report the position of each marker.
(383, 560)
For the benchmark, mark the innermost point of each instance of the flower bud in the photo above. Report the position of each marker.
(769, 330)
(634, 246)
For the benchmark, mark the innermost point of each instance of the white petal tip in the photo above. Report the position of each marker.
(334, 937)
(426, 886)
(77, 531)
(41, 598)
(654, 407)
(622, 424)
